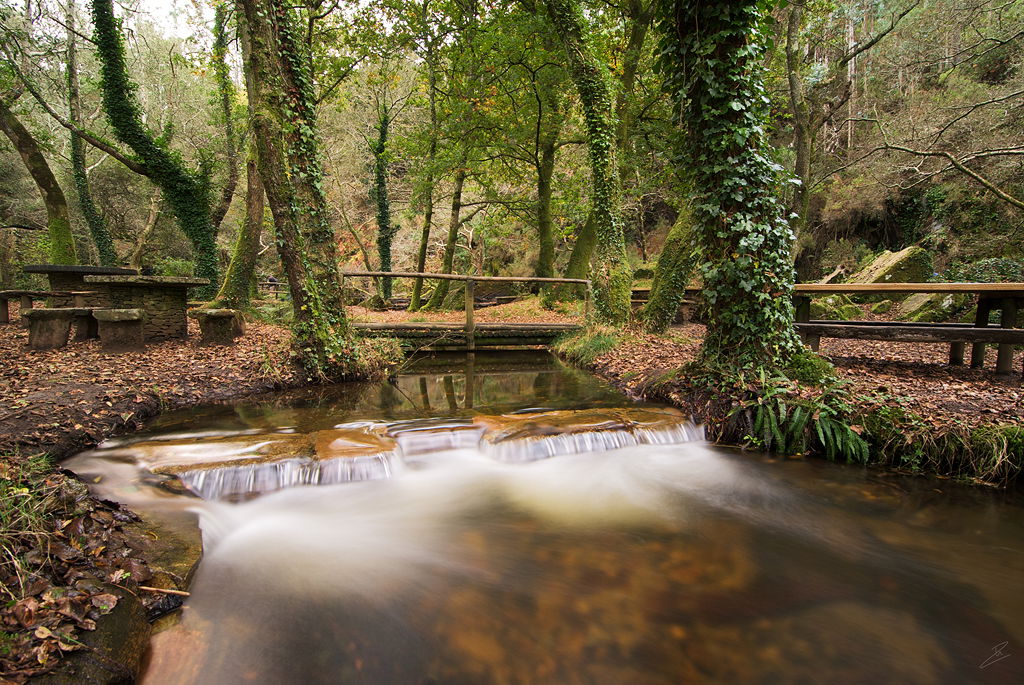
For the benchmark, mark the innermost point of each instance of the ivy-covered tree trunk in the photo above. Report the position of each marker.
(610, 272)
(93, 219)
(454, 223)
(385, 231)
(712, 58)
(225, 96)
(186, 191)
(284, 127)
(240, 277)
(671, 276)
(58, 222)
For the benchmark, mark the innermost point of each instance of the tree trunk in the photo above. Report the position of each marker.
(284, 129)
(428, 191)
(186, 192)
(545, 228)
(671, 276)
(385, 232)
(803, 128)
(6, 259)
(225, 94)
(58, 222)
(240, 276)
(93, 218)
(454, 223)
(610, 273)
(135, 259)
(741, 234)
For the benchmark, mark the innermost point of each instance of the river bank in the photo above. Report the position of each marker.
(70, 560)
(918, 414)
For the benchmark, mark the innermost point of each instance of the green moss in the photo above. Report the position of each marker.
(810, 369)
(882, 307)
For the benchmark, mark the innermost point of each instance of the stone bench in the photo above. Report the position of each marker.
(219, 326)
(120, 330)
(26, 297)
(50, 328)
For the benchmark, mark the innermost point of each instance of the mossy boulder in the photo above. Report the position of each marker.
(933, 307)
(882, 307)
(910, 265)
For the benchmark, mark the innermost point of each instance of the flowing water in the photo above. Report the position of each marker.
(508, 520)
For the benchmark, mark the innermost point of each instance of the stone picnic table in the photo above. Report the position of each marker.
(68, 279)
(162, 299)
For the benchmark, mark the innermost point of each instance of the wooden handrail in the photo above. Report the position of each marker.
(460, 277)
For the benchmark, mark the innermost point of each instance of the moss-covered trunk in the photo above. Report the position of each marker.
(671, 276)
(186, 191)
(610, 272)
(58, 222)
(454, 223)
(240, 277)
(93, 218)
(284, 128)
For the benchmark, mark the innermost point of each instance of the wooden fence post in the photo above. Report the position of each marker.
(470, 324)
(588, 301)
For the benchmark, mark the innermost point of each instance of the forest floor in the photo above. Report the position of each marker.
(61, 550)
(916, 373)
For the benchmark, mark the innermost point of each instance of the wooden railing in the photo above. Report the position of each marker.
(274, 288)
(470, 328)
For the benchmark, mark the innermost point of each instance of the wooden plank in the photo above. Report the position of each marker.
(1011, 336)
(452, 326)
(460, 277)
(1011, 289)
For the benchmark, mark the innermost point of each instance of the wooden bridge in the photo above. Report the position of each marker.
(469, 335)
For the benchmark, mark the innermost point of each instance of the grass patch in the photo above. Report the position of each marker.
(905, 440)
(584, 347)
(26, 517)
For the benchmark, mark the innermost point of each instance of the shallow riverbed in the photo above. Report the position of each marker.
(512, 520)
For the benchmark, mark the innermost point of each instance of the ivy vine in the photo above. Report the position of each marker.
(711, 56)
(187, 192)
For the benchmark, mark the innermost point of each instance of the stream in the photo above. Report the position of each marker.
(506, 519)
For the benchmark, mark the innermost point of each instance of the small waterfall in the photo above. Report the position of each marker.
(532, 449)
(230, 482)
(417, 444)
